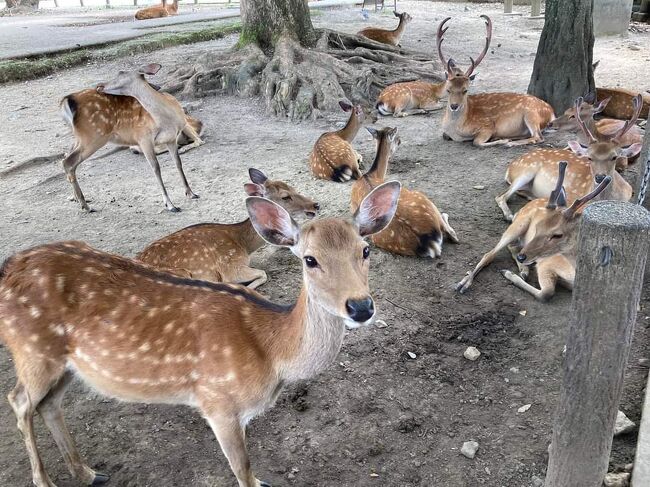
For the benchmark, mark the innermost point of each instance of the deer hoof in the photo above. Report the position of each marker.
(191, 195)
(100, 478)
(174, 209)
(265, 484)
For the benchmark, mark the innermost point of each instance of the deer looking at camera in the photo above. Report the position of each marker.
(543, 232)
(489, 118)
(333, 157)
(220, 252)
(385, 36)
(157, 11)
(531, 175)
(143, 117)
(141, 335)
(418, 227)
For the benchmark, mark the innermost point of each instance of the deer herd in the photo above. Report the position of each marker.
(181, 323)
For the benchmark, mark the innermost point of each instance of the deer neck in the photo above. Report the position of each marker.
(400, 29)
(249, 238)
(379, 168)
(349, 132)
(156, 104)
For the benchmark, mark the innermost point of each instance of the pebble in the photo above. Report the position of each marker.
(478, 186)
(623, 424)
(469, 449)
(634, 48)
(411, 354)
(472, 353)
(524, 408)
(617, 479)
(381, 324)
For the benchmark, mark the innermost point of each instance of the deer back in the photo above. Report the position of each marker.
(621, 106)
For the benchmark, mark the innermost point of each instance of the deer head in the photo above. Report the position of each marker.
(125, 81)
(403, 17)
(281, 193)
(588, 109)
(333, 251)
(361, 113)
(387, 133)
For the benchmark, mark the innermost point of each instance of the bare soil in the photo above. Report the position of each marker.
(376, 416)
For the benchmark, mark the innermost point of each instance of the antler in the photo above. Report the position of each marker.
(637, 103)
(554, 198)
(580, 202)
(439, 38)
(581, 123)
(488, 39)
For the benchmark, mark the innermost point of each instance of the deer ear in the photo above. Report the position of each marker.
(395, 13)
(257, 176)
(630, 150)
(377, 209)
(595, 65)
(150, 69)
(471, 78)
(345, 106)
(577, 148)
(590, 97)
(253, 189)
(373, 131)
(272, 222)
(601, 106)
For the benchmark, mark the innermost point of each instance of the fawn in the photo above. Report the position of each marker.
(157, 11)
(333, 157)
(220, 252)
(543, 232)
(137, 334)
(385, 36)
(418, 226)
(144, 117)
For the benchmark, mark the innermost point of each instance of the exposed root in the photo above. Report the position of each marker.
(298, 82)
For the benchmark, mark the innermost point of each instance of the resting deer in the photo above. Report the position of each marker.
(418, 227)
(621, 104)
(157, 11)
(144, 117)
(140, 335)
(220, 252)
(385, 36)
(543, 232)
(333, 157)
(489, 118)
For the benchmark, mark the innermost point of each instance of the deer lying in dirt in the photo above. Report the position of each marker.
(144, 117)
(543, 232)
(220, 252)
(140, 335)
(157, 11)
(333, 157)
(385, 36)
(418, 227)
(489, 118)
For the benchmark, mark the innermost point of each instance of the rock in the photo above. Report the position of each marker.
(623, 424)
(524, 408)
(478, 186)
(634, 48)
(523, 312)
(472, 353)
(411, 354)
(617, 479)
(536, 481)
(381, 324)
(469, 449)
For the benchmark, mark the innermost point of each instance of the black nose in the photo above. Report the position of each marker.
(599, 178)
(454, 106)
(521, 258)
(316, 206)
(360, 310)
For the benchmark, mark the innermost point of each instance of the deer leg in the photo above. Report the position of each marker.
(523, 269)
(189, 131)
(516, 185)
(413, 111)
(447, 228)
(533, 129)
(547, 280)
(482, 138)
(173, 150)
(52, 414)
(71, 162)
(252, 278)
(150, 153)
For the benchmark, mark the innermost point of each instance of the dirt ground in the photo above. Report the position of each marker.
(376, 416)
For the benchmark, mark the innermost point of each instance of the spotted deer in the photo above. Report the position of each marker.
(489, 118)
(543, 232)
(333, 157)
(157, 11)
(143, 117)
(220, 252)
(140, 335)
(385, 36)
(621, 104)
(418, 227)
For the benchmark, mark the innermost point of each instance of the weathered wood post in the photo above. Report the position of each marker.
(507, 6)
(612, 250)
(643, 160)
(535, 8)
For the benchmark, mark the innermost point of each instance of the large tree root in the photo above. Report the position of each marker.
(299, 82)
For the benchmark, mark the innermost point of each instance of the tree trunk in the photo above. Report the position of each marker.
(563, 65)
(22, 3)
(264, 22)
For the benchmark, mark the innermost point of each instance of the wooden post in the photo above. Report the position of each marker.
(507, 6)
(643, 158)
(535, 8)
(612, 250)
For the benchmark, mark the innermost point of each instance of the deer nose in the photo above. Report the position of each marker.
(521, 258)
(599, 178)
(360, 310)
(316, 206)
(454, 106)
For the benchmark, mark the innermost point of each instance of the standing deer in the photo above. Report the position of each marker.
(220, 252)
(144, 117)
(489, 118)
(140, 335)
(157, 11)
(385, 36)
(333, 157)
(543, 232)
(418, 227)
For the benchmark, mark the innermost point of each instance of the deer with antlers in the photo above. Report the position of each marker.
(489, 118)
(220, 252)
(386, 36)
(544, 232)
(126, 111)
(140, 335)
(333, 157)
(418, 227)
(157, 11)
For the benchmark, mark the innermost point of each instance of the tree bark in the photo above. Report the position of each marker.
(22, 3)
(264, 22)
(563, 65)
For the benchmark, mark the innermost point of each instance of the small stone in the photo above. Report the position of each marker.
(617, 479)
(536, 481)
(381, 324)
(472, 353)
(478, 186)
(634, 48)
(523, 312)
(628, 467)
(514, 370)
(524, 408)
(469, 449)
(643, 362)
(411, 354)
(623, 424)
(374, 474)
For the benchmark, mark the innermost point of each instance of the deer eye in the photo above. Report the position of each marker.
(464, 92)
(614, 157)
(286, 198)
(366, 252)
(311, 262)
(556, 235)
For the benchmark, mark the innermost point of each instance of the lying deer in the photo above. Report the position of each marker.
(385, 36)
(136, 334)
(489, 118)
(157, 11)
(144, 117)
(219, 252)
(333, 157)
(621, 103)
(418, 227)
(543, 232)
